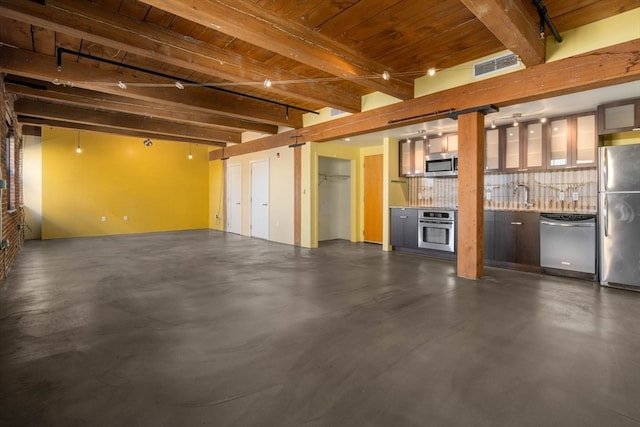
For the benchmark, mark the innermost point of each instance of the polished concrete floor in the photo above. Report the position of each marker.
(200, 328)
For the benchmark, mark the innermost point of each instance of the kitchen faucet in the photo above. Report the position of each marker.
(526, 202)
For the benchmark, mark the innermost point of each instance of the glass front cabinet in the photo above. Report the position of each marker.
(562, 142)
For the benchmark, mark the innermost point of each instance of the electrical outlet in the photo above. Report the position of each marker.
(126, 218)
(561, 196)
(575, 196)
(104, 218)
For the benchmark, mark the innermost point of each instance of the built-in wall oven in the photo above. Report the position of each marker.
(437, 230)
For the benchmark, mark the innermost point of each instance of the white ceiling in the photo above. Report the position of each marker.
(549, 108)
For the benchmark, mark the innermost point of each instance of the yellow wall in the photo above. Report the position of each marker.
(158, 188)
(623, 138)
(216, 195)
(607, 32)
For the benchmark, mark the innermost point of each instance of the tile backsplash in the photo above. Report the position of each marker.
(567, 190)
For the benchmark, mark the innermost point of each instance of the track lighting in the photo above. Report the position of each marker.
(147, 142)
(385, 75)
(515, 119)
(493, 124)
(431, 72)
(179, 85)
(267, 83)
(121, 84)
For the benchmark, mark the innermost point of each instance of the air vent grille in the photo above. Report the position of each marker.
(495, 64)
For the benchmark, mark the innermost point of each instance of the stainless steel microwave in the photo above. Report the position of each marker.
(441, 164)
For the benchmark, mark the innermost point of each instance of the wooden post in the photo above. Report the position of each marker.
(470, 195)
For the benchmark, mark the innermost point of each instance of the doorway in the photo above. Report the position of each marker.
(234, 198)
(373, 183)
(334, 199)
(260, 199)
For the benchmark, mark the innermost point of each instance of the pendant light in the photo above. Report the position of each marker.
(190, 156)
(78, 148)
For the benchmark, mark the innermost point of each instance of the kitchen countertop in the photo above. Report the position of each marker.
(434, 208)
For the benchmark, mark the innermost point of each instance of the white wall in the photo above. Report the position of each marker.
(32, 181)
(334, 199)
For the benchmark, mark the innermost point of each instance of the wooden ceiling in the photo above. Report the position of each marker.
(315, 53)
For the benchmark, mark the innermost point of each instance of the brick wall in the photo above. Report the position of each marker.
(12, 222)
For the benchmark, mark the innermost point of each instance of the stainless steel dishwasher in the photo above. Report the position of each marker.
(568, 245)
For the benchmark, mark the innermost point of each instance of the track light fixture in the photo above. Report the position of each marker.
(147, 142)
(121, 84)
(179, 85)
(385, 75)
(493, 124)
(516, 116)
(431, 72)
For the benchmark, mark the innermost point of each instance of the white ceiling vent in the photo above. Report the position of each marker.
(495, 64)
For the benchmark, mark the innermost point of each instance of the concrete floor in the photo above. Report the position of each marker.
(201, 328)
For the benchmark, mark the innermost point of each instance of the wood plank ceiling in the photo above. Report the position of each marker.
(315, 53)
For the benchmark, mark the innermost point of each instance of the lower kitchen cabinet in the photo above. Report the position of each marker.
(489, 227)
(404, 227)
(516, 238)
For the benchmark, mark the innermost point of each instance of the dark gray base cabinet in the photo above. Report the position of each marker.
(512, 238)
(404, 228)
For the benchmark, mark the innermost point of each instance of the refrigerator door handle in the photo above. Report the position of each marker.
(605, 161)
(605, 213)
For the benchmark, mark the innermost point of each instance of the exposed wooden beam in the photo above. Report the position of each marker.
(600, 68)
(87, 98)
(43, 67)
(92, 116)
(514, 24)
(251, 23)
(39, 122)
(117, 31)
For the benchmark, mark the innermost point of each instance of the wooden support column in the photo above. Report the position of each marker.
(297, 196)
(470, 195)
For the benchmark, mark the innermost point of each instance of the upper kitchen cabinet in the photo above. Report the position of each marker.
(442, 144)
(492, 157)
(560, 143)
(572, 141)
(620, 116)
(412, 152)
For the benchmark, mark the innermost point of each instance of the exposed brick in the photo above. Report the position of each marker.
(12, 222)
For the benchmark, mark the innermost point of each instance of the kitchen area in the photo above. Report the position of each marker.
(561, 195)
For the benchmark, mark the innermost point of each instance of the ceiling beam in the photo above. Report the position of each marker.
(251, 23)
(39, 122)
(85, 21)
(614, 64)
(87, 98)
(122, 121)
(43, 67)
(514, 24)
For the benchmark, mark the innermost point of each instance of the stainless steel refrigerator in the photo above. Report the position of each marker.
(619, 216)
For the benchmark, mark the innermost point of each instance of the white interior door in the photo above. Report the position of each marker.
(260, 199)
(234, 199)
